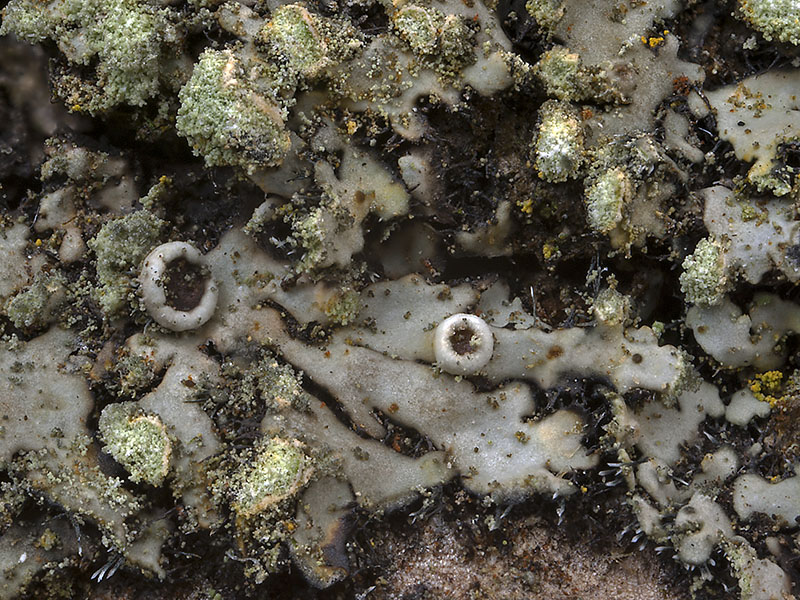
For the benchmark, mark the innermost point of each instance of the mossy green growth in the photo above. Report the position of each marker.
(127, 39)
(559, 144)
(278, 469)
(775, 19)
(606, 198)
(34, 307)
(137, 441)
(226, 120)
(121, 245)
(294, 34)
(704, 280)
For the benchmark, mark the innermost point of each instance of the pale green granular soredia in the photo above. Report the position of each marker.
(704, 279)
(22, 19)
(547, 13)
(132, 375)
(606, 198)
(137, 441)
(120, 246)
(34, 306)
(279, 469)
(225, 120)
(310, 233)
(126, 38)
(455, 41)
(559, 71)
(271, 382)
(775, 19)
(611, 308)
(293, 33)
(559, 143)
(127, 44)
(343, 306)
(442, 41)
(419, 27)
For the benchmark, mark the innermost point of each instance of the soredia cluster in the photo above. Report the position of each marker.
(273, 274)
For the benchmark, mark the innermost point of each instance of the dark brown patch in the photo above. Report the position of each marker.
(184, 285)
(461, 340)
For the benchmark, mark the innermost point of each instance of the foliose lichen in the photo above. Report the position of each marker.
(451, 261)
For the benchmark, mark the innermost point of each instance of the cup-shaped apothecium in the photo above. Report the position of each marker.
(463, 344)
(175, 292)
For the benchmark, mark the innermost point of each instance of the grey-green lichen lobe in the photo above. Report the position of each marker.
(559, 144)
(704, 280)
(136, 440)
(126, 38)
(120, 246)
(277, 469)
(226, 119)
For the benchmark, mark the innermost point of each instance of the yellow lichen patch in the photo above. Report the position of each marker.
(526, 206)
(766, 387)
(654, 41)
